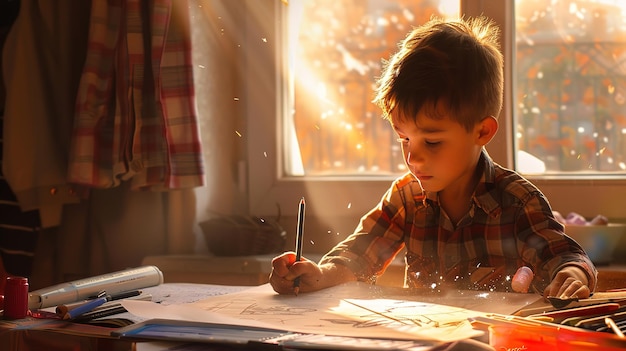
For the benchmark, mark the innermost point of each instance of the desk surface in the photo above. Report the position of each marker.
(254, 270)
(37, 334)
(52, 335)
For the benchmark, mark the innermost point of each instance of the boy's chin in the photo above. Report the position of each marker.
(428, 185)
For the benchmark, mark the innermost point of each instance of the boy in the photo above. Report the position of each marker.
(465, 221)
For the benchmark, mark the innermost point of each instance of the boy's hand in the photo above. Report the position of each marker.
(285, 269)
(313, 277)
(570, 281)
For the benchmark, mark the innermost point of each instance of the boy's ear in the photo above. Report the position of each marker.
(487, 128)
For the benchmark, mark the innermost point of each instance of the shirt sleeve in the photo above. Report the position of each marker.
(378, 237)
(546, 247)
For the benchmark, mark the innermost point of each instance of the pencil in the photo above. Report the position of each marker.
(611, 324)
(299, 238)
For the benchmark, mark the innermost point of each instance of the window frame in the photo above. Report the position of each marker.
(267, 187)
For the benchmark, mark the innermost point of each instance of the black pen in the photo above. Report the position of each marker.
(106, 312)
(124, 295)
(299, 237)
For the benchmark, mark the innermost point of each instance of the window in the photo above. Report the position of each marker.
(310, 170)
(570, 95)
(336, 50)
(267, 74)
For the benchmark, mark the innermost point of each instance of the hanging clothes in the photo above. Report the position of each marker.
(135, 110)
(18, 230)
(44, 63)
(42, 59)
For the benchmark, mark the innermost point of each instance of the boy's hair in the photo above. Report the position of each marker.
(454, 62)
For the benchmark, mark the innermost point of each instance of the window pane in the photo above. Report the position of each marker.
(336, 49)
(570, 86)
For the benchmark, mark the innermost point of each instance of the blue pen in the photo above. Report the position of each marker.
(84, 308)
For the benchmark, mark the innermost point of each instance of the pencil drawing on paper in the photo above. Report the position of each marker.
(252, 308)
(370, 321)
(357, 314)
(362, 310)
(408, 313)
(362, 314)
(281, 310)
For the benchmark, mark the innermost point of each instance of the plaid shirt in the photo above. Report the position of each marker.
(509, 224)
(135, 108)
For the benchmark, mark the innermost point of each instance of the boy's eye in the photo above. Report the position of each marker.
(432, 143)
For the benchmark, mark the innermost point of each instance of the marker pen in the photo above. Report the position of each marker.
(83, 289)
(109, 309)
(62, 309)
(84, 308)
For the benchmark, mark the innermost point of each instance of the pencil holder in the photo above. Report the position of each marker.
(16, 298)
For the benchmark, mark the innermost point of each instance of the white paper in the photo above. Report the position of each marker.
(352, 309)
(185, 312)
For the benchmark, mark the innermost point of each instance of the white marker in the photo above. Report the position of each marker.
(82, 289)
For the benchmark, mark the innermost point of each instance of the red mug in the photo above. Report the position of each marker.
(16, 298)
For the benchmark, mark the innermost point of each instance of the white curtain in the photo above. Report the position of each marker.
(217, 39)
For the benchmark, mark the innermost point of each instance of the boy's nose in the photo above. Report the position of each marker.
(411, 158)
(414, 156)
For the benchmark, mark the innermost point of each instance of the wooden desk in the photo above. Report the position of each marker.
(611, 277)
(38, 335)
(33, 334)
(52, 335)
(255, 270)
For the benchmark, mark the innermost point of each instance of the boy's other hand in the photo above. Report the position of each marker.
(570, 281)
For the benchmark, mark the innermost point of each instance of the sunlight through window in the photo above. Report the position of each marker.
(336, 50)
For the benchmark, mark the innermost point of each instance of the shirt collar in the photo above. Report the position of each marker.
(482, 194)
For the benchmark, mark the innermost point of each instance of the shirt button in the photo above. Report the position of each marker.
(53, 191)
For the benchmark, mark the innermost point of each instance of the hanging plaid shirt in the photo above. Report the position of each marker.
(510, 224)
(135, 110)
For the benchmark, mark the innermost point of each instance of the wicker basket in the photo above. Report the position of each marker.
(243, 236)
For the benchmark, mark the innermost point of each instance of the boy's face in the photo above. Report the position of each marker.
(441, 153)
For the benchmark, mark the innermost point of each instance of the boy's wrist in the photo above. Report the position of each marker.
(334, 274)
